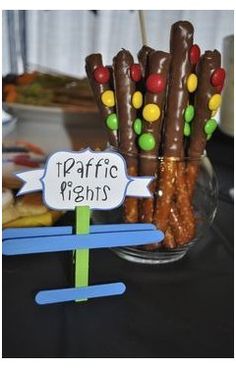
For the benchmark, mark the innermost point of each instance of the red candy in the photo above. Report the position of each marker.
(135, 72)
(155, 83)
(102, 74)
(218, 77)
(194, 54)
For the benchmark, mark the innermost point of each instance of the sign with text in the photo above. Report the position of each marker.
(85, 178)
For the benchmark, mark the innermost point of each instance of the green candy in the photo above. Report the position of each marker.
(209, 136)
(138, 126)
(210, 126)
(146, 142)
(187, 129)
(112, 121)
(189, 113)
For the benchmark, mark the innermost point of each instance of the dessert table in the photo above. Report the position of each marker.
(182, 309)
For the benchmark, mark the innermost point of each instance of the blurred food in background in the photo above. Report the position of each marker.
(44, 89)
(26, 211)
(18, 156)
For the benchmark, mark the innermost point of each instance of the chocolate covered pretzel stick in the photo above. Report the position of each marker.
(149, 141)
(181, 40)
(143, 59)
(207, 101)
(100, 80)
(126, 112)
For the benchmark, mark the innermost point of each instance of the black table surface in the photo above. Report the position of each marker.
(183, 309)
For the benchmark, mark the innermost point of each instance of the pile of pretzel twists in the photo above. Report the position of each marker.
(162, 106)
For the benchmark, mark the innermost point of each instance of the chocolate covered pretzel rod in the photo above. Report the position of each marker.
(100, 80)
(125, 85)
(149, 140)
(143, 54)
(181, 41)
(207, 101)
(182, 217)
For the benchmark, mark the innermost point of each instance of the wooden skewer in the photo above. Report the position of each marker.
(142, 27)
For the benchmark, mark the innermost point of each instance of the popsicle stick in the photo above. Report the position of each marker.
(82, 256)
(79, 294)
(142, 27)
(31, 232)
(81, 241)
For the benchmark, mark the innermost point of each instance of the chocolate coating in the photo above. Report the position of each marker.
(94, 61)
(181, 39)
(124, 89)
(209, 61)
(143, 57)
(158, 62)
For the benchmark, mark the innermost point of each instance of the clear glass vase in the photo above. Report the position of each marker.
(202, 196)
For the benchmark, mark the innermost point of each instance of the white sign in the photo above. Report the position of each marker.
(86, 178)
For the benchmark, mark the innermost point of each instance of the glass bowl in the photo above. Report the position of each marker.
(204, 205)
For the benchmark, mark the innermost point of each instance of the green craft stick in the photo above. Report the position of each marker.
(82, 215)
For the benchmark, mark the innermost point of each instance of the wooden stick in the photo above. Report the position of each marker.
(142, 27)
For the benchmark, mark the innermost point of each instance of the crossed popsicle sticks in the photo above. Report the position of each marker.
(57, 239)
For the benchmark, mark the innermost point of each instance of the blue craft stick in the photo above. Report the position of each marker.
(31, 232)
(95, 229)
(72, 294)
(88, 241)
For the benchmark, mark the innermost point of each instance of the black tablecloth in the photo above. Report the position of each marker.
(183, 309)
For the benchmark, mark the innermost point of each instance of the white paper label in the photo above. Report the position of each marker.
(86, 178)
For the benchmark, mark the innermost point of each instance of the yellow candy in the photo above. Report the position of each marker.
(192, 83)
(108, 98)
(213, 113)
(137, 100)
(151, 112)
(214, 102)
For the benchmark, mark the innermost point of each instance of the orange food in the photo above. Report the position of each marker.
(31, 147)
(11, 96)
(26, 78)
(9, 88)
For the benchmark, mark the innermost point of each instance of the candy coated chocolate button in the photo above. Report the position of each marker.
(137, 100)
(209, 137)
(138, 126)
(194, 54)
(135, 72)
(192, 83)
(151, 112)
(146, 142)
(102, 74)
(210, 126)
(112, 121)
(155, 83)
(189, 113)
(108, 98)
(214, 102)
(187, 129)
(218, 77)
